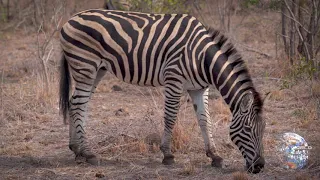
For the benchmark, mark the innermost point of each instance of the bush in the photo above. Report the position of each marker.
(3, 13)
(159, 6)
(249, 3)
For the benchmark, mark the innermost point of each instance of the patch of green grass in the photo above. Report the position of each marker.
(160, 6)
(275, 4)
(249, 3)
(300, 113)
(3, 14)
(301, 70)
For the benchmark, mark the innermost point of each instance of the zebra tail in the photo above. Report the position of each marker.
(65, 85)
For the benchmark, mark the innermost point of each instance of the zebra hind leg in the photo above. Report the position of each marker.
(79, 101)
(78, 115)
(200, 103)
(172, 102)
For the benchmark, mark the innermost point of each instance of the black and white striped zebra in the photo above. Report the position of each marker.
(171, 50)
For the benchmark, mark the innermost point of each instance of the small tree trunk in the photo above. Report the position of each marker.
(300, 47)
(283, 28)
(292, 34)
(311, 33)
(8, 9)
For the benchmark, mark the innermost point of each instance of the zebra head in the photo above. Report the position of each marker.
(246, 130)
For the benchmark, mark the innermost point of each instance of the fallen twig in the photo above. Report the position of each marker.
(256, 51)
(272, 78)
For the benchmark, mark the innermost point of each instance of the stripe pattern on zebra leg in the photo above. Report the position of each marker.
(171, 50)
(200, 104)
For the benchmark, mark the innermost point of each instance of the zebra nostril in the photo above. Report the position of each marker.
(255, 169)
(257, 166)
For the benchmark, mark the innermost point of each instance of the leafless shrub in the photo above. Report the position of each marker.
(300, 31)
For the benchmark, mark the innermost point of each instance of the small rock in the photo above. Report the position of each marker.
(99, 175)
(116, 88)
(121, 112)
(28, 137)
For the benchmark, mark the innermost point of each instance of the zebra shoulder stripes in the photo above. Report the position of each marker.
(171, 50)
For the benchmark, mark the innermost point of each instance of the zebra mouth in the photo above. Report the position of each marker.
(256, 167)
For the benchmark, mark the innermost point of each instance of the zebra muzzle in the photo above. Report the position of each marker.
(256, 166)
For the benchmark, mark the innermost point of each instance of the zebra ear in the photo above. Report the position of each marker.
(246, 102)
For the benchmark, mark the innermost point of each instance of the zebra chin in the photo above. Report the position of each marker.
(257, 165)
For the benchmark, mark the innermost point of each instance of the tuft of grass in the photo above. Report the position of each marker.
(303, 176)
(180, 138)
(300, 113)
(188, 169)
(24, 148)
(32, 99)
(142, 147)
(277, 95)
(315, 88)
(240, 176)
(305, 116)
(153, 140)
(273, 122)
(270, 142)
(221, 110)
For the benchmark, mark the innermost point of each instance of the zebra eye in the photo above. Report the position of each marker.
(247, 128)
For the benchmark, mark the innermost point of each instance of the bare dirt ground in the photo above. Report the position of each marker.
(123, 119)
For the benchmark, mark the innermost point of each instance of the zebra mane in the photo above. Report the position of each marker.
(227, 47)
(233, 55)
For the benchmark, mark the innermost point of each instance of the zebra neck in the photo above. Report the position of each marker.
(229, 74)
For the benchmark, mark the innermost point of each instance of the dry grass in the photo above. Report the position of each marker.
(32, 99)
(221, 111)
(25, 148)
(306, 116)
(180, 138)
(281, 67)
(316, 89)
(188, 169)
(32, 127)
(303, 176)
(277, 95)
(240, 176)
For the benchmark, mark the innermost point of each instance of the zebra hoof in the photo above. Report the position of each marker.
(93, 161)
(91, 158)
(80, 159)
(168, 160)
(217, 161)
(75, 148)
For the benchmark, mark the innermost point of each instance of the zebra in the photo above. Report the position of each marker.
(175, 51)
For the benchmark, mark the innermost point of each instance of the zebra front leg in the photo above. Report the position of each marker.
(78, 114)
(200, 104)
(172, 102)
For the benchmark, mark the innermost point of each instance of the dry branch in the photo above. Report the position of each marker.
(297, 29)
(256, 51)
(2, 106)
